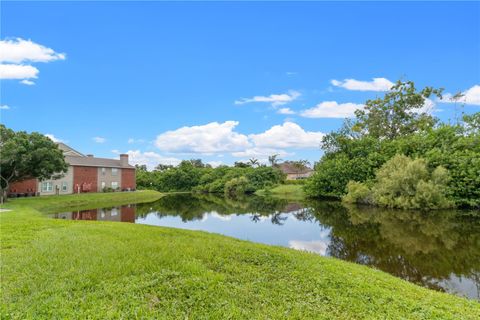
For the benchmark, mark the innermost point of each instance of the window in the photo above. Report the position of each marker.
(64, 186)
(114, 171)
(103, 171)
(103, 185)
(114, 185)
(47, 186)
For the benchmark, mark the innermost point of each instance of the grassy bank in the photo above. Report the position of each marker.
(85, 200)
(100, 270)
(287, 191)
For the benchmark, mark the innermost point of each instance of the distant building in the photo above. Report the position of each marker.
(295, 172)
(85, 174)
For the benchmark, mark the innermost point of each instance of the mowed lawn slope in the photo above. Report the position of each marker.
(56, 269)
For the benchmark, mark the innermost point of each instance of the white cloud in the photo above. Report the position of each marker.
(150, 159)
(428, 107)
(27, 82)
(4, 107)
(285, 111)
(99, 139)
(215, 163)
(377, 84)
(275, 99)
(132, 140)
(16, 54)
(20, 50)
(317, 246)
(218, 216)
(218, 138)
(287, 135)
(17, 71)
(331, 109)
(53, 138)
(470, 96)
(261, 153)
(211, 138)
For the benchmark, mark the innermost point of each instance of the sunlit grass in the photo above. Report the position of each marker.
(287, 191)
(57, 269)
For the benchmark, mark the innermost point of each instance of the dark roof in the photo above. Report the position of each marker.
(95, 162)
(289, 168)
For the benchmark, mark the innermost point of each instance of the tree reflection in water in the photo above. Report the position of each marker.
(432, 249)
(422, 247)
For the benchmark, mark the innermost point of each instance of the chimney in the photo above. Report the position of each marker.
(90, 155)
(124, 160)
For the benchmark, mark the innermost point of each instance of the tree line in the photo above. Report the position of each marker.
(194, 175)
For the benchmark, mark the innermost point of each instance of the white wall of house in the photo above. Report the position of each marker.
(108, 178)
(296, 176)
(63, 185)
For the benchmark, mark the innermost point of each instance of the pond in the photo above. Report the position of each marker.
(439, 250)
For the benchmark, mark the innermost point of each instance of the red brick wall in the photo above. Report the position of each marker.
(128, 213)
(86, 178)
(128, 179)
(24, 186)
(85, 215)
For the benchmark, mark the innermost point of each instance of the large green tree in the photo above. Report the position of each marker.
(402, 111)
(27, 155)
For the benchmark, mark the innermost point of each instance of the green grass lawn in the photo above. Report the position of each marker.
(57, 269)
(287, 191)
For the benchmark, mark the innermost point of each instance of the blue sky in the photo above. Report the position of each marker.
(223, 81)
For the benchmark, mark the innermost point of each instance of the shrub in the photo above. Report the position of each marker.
(407, 184)
(358, 192)
(237, 186)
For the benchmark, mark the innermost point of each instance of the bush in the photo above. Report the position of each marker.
(408, 184)
(358, 192)
(238, 186)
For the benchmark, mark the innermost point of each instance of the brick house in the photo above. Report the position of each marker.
(85, 173)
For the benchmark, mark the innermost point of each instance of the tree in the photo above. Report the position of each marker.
(141, 167)
(240, 164)
(273, 159)
(400, 112)
(254, 162)
(163, 167)
(27, 156)
(300, 165)
(197, 163)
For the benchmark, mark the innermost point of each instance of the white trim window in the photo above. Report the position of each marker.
(103, 185)
(47, 186)
(104, 170)
(114, 185)
(64, 186)
(114, 171)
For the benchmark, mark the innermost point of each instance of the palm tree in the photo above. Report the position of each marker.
(254, 162)
(300, 165)
(274, 160)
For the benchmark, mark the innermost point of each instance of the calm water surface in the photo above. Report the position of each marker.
(439, 250)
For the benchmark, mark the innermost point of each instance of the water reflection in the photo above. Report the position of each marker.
(439, 250)
(119, 214)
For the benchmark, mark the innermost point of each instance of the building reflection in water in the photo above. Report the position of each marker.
(120, 214)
